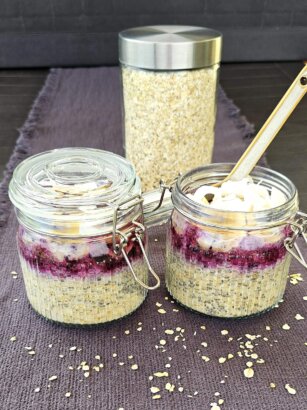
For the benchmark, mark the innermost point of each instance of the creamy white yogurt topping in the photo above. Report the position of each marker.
(244, 196)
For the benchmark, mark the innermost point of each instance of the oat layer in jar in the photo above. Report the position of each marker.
(81, 238)
(169, 78)
(229, 264)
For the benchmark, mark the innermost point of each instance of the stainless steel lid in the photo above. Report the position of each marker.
(170, 47)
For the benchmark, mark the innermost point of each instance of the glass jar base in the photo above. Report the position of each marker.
(86, 325)
(256, 314)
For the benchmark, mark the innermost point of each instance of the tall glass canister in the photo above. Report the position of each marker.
(169, 79)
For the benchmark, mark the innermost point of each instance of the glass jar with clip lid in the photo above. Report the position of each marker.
(81, 238)
(231, 264)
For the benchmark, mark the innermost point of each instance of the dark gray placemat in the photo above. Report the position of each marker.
(80, 107)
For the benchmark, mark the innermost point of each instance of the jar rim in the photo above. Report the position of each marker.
(234, 219)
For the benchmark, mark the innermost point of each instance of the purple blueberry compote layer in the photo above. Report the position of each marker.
(223, 273)
(80, 281)
(93, 257)
(237, 257)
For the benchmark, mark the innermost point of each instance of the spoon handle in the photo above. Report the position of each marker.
(270, 128)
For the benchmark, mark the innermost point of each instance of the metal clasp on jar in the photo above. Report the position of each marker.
(299, 228)
(139, 232)
(165, 186)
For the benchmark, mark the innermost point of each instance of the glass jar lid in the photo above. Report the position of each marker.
(170, 47)
(72, 191)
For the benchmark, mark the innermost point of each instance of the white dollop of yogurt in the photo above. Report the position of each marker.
(244, 196)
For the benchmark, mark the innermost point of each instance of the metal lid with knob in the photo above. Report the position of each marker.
(170, 47)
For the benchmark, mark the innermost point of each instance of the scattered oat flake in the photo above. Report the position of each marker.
(154, 389)
(230, 356)
(72, 348)
(51, 378)
(169, 332)
(97, 357)
(68, 394)
(180, 389)
(150, 378)
(162, 342)
(170, 387)
(205, 358)
(290, 389)
(205, 344)
(139, 329)
(304, 297)
(156, 396)
(13, 339)
(134, 367)
(272, 385)
(248, 372)
(37, 389)
(299, 317)
(50, 345)
(175, 310)
(254, 356)
(86, 367)
(224, 332)
(158, 304)
(203, 327)
(286, 326)
(215, 407)
(130, 356)
(114, 354)
(70, 368)
(267, 328)
(86, 374)
(28, 347)
(221, 401)
(31, 352)
(162, 311)
(167, 365)
(96, 368)
(127, 332)
(222, 359)
(249, 364)
(161, 374)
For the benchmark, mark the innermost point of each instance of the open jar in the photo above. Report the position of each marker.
(169, 79)
(81, 238)
(225, 263)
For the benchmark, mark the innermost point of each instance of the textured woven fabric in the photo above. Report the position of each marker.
(81, 107)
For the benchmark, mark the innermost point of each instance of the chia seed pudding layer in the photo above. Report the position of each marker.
(226, 274)
(80, 281)
(225, 292)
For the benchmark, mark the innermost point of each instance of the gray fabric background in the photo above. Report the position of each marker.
(40, 33)
(81, 107)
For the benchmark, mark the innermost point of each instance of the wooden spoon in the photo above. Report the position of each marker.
(270, 128)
